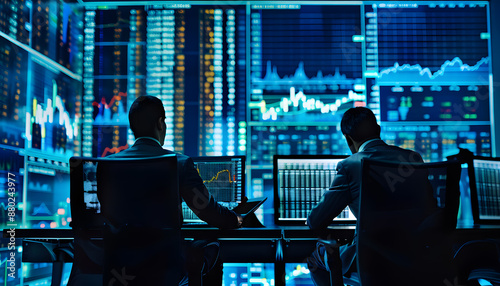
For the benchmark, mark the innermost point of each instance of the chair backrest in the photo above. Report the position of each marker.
(140, 192)
(407, 214)
(138, 201)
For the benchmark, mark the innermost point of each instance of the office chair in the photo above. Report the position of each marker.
(141, 205)
(58, 253)
(139, 220)
(478, 259)
(407, 214)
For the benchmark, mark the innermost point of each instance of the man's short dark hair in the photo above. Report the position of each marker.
(360, 123)
(144, 114)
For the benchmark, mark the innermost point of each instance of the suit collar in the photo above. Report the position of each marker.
(147, 141)
(374, 143)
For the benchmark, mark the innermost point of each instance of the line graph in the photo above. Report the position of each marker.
(216, 177)
(304, 107)
(112, 113)
(453, 72)
(49, 125)
(113, 150)
(222, 179)
(273, 82)
(4, 206)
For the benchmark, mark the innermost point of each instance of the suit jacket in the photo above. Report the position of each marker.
(345, 190)
(191, 187)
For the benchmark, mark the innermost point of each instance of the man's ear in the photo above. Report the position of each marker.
(349, 140)
(159, 123)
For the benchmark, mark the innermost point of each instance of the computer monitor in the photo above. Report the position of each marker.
(224, 177)
(484, 184)
(299, 184)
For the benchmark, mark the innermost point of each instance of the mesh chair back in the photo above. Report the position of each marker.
(140, 192)
(407, 214)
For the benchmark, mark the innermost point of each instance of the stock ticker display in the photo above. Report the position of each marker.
(300, 183)
(487, 186)
(191, 57)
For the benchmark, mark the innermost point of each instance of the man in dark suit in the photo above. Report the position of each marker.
(147, 121)
(362, 133)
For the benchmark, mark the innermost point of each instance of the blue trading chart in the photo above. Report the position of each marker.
(306, 68)
(300, 72)
(428, 67)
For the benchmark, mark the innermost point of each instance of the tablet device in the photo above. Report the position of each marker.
(249, 206)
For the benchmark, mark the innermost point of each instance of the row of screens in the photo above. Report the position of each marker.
(283, 74)
(280, 75)
(300, 182)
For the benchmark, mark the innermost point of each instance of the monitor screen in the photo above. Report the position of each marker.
(224, 178)
(300, 182)
(487, 176)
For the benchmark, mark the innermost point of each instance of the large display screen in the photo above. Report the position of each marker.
(192, 57)
(41, 45)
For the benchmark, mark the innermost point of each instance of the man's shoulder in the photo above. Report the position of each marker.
(384, 152)
(139, 151)
(391, 153)
(181, 158)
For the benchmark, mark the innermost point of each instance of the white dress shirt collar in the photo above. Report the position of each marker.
(363, 146)
(150, 138)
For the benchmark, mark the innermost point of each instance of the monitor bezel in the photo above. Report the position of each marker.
(473, 191)
(295, 222)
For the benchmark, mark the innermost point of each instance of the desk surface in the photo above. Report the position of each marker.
(253, 233)
(286, 232)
